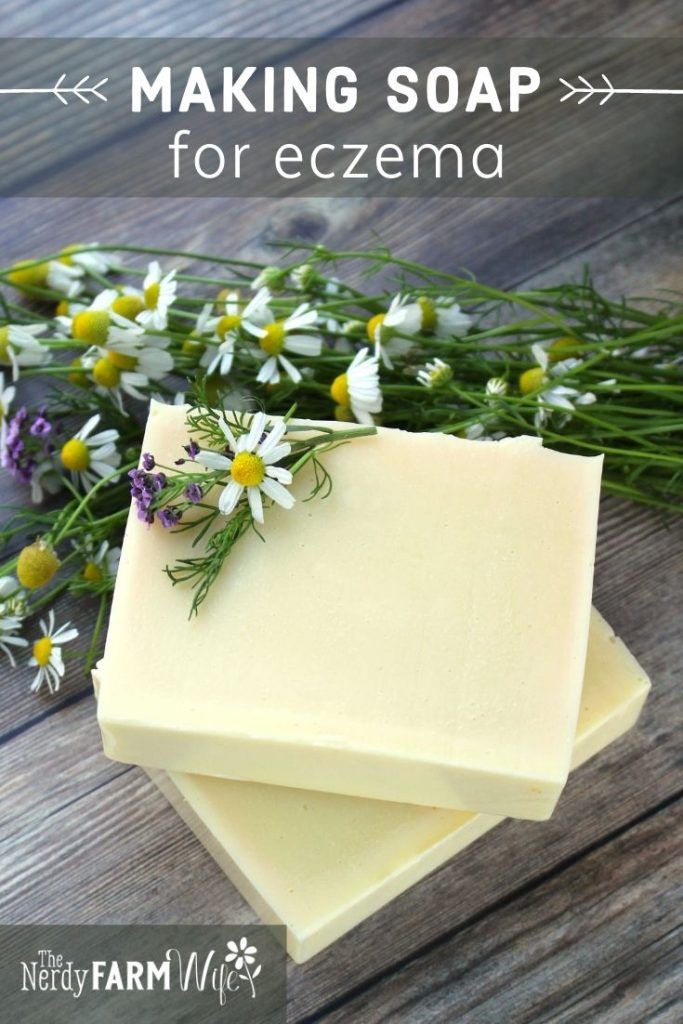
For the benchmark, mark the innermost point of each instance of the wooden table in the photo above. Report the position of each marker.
(568, 921)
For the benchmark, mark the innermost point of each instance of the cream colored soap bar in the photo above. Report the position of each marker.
(418, 636)
(321, 863)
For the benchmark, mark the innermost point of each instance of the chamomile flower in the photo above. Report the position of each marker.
(278, 336)
(253, 467)
(357, 391)
(54, 274)
(91, 457)
(126, 367)
(101, 563)
(89, 324)
(553, 397)
(443, 317)
(159, 291)
(384, 330)
(218, 357)
(435, 374)
(12, 614)
(47, 653)
(562, 399)
(19, 346)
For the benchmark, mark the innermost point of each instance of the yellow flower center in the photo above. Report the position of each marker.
(75, 455)
(563, 348)
(123, 361)
(343, 414)
(531, 379)
(23, 276)
(248, 469)
(339, 389)
(273, 339)
(233, 323)
(91, 326)
(428, 313)
(42, 649)
(151, 295)
(128, 306)
(36, 565)
(373, 323)
(62, 308)
(92, 573)
(4, 346)
(105, 373)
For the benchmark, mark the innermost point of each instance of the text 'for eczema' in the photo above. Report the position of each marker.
(285, 90)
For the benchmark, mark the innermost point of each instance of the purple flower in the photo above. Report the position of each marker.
(192, 449)
(40, 427)
(17, 458)
(169, 516)
(194, 493)
(148, 462)
(144, 488)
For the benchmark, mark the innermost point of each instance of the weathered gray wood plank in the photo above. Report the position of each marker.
(582, 946)
(318, 17)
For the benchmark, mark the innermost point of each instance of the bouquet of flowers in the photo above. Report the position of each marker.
(88, 336)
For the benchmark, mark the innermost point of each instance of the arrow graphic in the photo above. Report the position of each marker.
(585, 90)
(81, 90)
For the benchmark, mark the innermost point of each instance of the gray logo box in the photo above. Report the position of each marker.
(167, 973)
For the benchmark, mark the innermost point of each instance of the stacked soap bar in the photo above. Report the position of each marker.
(320, 863)
(418, 636)
(394, 670)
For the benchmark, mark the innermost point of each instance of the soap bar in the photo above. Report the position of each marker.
(320, 863)
(419, 635)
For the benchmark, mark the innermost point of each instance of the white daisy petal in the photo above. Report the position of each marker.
(258, 425)
(275, 454)
(229, 498)
(213, 460)
(279, 494)
(273, 439)
(255, 503)
(279, 473)
(229, 436)
(304, 344)
(291, 370)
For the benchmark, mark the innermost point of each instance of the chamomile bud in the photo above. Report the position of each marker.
(36, 565)
(272, 278)
(496, 387)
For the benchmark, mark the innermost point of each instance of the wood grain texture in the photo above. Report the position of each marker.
(573, 948)
(570, 920)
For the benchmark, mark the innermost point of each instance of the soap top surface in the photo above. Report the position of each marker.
(434, 607)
